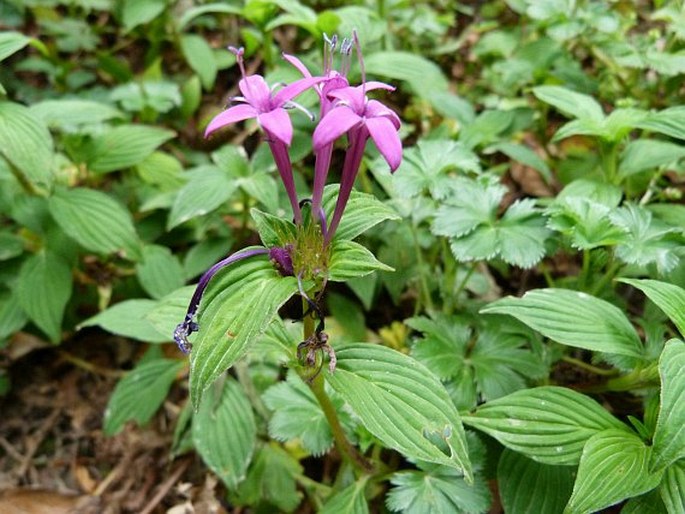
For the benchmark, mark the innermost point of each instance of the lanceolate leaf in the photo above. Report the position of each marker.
(94, 220)
(362, 212)
(672, 488)
(569, 102)
(224, 432)
(11, 42)
(44, 288)
(350, 500)
(669, 435)
(548, 424)
(26, 143)
(573, 318)
(128, 319)
(273, 231)
(529, 487)
(351, 260)
(400, 402)
(236, 309)
(159, 271)
(613, 467)
(670, 298)
(139, 394)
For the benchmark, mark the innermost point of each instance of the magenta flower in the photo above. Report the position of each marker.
(269, 108)
(360, 118)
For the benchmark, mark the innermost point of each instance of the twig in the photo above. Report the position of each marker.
(165, 487)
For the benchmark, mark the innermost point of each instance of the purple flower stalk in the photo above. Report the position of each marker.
(269, 108)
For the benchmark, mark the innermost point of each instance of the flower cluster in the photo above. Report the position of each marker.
(344, 111)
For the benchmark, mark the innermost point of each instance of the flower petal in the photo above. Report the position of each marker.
(333, 125)
(373, 84)
(292, 90)
(277, 124)
(352, 96)
(297, 64)
(231, 115)
(375, 109)
(384, 134)
(256, 91)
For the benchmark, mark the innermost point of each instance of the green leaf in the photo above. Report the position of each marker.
(436, 490)
(208, 189)
(670, 298)
(524, 155)
(139, 12)
(585, 221)
(548, 424)
(70, 114)
(224, 432)
(271, 478)
(528, 487)
(423, 75)
(12, 317)
(362, 212)
(573, 318)
(351, 260)
(11, 42)
(613, 467)
(647, 503)
(26, 143)
(669, 435)
(193, 12)
(648, 154)
(443, 347)
(572, 104)
(298, 415)
(159, 271)
(401, 403)
(128, 319)
(94, 220)
(124, 146)
(350, 500)
(429, 166)
(170, 311)
(10, 246)
(205, 254)
(200, 58)
(140, 393)
(670, 122)
(237, 308)
(273, 231)
(43, 290)
(672, 488)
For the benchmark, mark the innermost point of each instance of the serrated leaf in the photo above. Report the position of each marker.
(159, 271)
(43, 290)
(585, 221)
(423, 75)
(549, 424)
(613, 467)
(436, 491)
(362, 212)
(669, 435)
(271, 478)
(572, 104)
(670, 298)
(429, 165)
(94, 220)
(273, 231)
(298, 415)
(11, 42)
(648, 154)
(139, 394)
(128, 319)
(672, 488)
(400, 402)
(26, 143)
(69, 114)
(351, 260)
(350, 500)
(529, 487)
(200, 57)
(237, 308)
(224, 432)
(124, 146)
(573, 318)
(208, 188)
(442, 349)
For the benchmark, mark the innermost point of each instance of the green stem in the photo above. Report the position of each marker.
(611, 272)
(589, 367)
(317, 385)
(585, 271)
(425, 292)
(609, 155)
(639, 378)
(243, 374)
(465, 280)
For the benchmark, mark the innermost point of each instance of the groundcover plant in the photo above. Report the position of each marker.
(421, 257)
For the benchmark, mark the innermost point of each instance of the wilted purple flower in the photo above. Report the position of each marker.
(269, 108)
